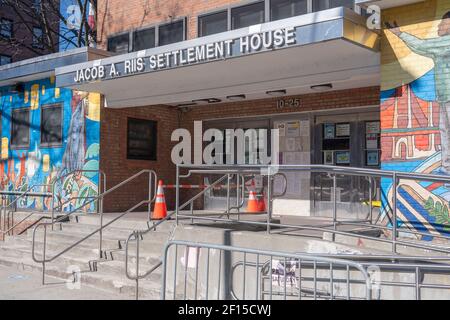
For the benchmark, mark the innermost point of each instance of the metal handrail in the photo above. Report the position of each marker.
(100, 172)
(44, 194)
(6, 214)
(151, 198)
(269, 171)
(137, 235)
(437, 264)
(257, 252)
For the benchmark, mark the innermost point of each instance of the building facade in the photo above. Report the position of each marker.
(19, 40)
(341, 92)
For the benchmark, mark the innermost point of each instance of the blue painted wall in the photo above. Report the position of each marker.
(36, 164)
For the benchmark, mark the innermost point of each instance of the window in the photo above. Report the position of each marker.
(6, 28)
(327, 4)
(141, 139)
(281, 9)
(119, 43)
(171, 33)
(38, 38)
(51, 125)
(20, 128)
(144, 39)
(248, 15)
(5, 60)
(212, 23)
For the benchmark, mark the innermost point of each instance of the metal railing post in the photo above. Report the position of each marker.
(228, 195)
(269, 198)
(53, 203)
(177, 193)
(334, 206)
(394, 212)
(370, 200)
(137, 265)
(100, 249)
(149, 196)
(44, 254)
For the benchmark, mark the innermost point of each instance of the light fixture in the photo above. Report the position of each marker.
(208, 100)
(276, 93)
(236, 97)
(322, 87)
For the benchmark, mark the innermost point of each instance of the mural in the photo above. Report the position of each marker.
(37, 164)
(415, 112)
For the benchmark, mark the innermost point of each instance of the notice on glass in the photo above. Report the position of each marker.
(304, 128)
(373, 127)
(343, 130)
(342, 157)
(328, 131)
(293, 128)
(372, 141)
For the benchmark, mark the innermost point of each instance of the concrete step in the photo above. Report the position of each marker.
(118, 267)
(147, 249)
(108, 233)
(125, 222)
(149, 289)
(87, 260)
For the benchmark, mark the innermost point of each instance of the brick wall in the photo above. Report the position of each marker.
(115, 17)
(114, 162)
(114, 130)
(20, 49)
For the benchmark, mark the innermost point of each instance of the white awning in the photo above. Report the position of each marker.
(332, 47)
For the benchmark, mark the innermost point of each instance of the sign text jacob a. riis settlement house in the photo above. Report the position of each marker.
(202, 53)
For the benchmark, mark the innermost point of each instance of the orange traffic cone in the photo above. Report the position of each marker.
(254, 205)
(160, 210)
(262, 204)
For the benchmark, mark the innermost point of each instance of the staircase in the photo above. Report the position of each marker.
(107, 273)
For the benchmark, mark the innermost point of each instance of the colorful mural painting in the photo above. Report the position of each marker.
(415, 112)
(38, 164)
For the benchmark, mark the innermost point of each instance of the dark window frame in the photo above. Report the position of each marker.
(330, 7)
(115, 35)
(201, 16)
(131, 45)
(247, 4)
(267, 14)
(271, 18)
(11, 22)
(5, 56)
(51, 144)
(20, 146)
(154, 128)
(157, 33)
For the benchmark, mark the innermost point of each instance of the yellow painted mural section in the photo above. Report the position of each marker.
(5, 153)
(94, 106)
(34, 97)
(399, 65)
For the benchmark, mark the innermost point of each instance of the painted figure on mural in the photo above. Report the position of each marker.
(74, 155)
(437, 49)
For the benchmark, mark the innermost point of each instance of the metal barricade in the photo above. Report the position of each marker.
(201, 271)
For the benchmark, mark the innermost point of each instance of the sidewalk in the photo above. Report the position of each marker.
(22, 285)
